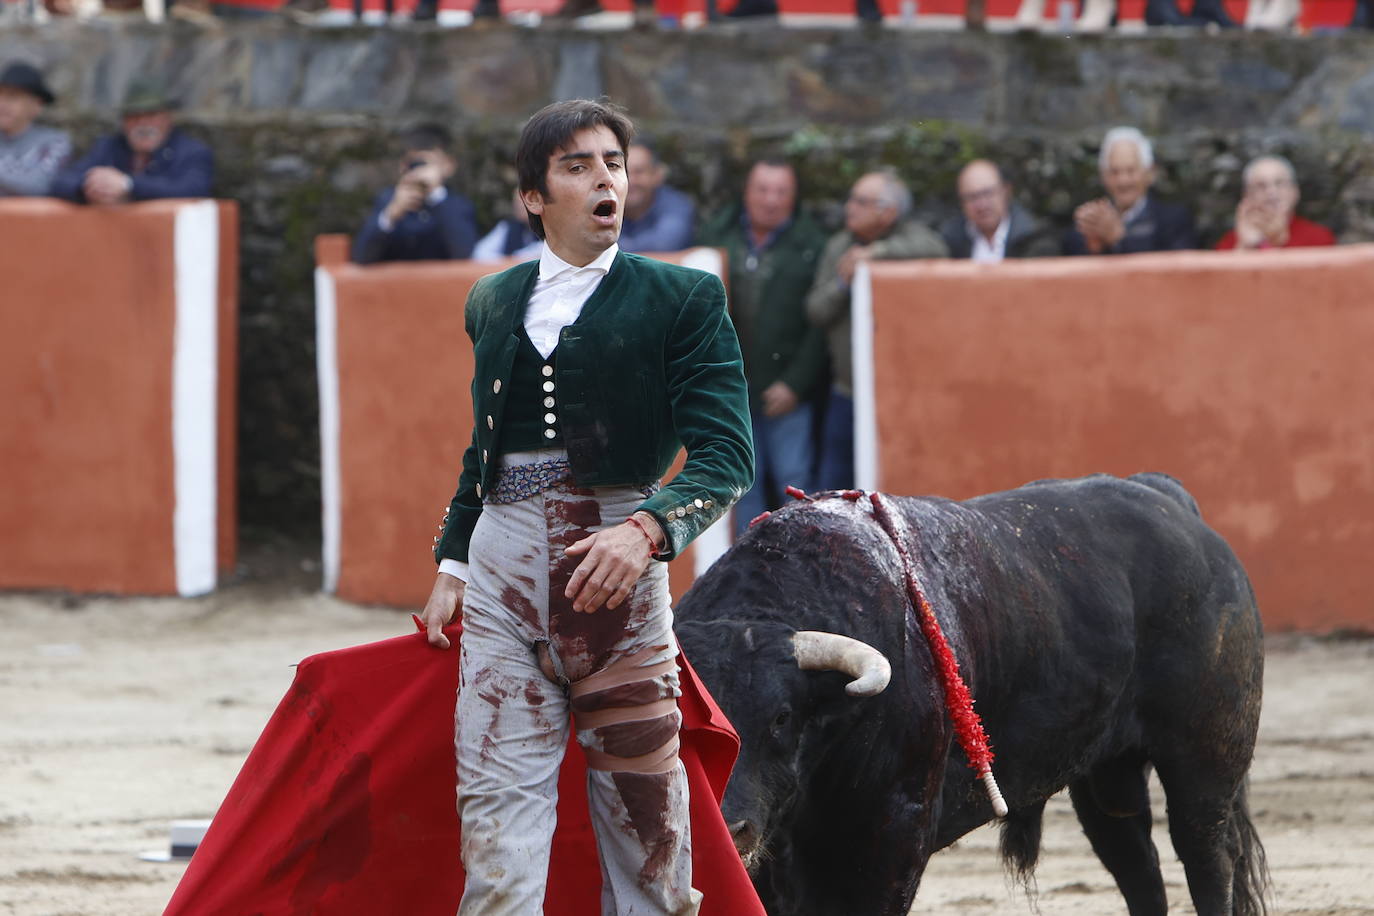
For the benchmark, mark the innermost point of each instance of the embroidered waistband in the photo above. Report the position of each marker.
(521, 481)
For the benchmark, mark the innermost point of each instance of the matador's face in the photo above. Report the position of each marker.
(585, 203)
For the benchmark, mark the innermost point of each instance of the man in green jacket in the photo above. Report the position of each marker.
(773, 251)
(592, 367)
(875, 228)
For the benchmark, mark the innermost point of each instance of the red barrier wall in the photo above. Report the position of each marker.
(119, 374)
(1247, 376)
(396, 415)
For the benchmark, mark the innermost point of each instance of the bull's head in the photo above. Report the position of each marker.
(816, 716)
(781, 689)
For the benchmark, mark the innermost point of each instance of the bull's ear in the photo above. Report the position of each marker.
(818, 651)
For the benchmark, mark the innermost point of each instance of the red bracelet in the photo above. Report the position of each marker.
(653, 548)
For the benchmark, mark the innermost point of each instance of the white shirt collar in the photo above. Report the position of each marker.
(551, 265)
(437, 196)
(995, 250)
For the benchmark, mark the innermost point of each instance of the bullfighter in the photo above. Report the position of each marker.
(592, 368)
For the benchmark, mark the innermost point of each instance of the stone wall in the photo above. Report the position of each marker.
(301, 122)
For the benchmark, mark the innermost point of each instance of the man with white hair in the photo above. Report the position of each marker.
(875, 228)
(1266, 216)
(1129, 219)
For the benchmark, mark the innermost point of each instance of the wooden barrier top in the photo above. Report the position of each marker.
(1022, 269)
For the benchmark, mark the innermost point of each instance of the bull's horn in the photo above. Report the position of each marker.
(817, 651)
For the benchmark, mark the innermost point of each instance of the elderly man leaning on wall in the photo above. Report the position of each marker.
(992, 225)
(1130, 219)
(149, 159)
(1266, 216)
(875, 228)
(30, 154)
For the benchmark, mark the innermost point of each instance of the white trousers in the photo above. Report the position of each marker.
(529, 662)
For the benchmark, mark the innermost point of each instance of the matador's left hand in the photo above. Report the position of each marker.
(615, 559)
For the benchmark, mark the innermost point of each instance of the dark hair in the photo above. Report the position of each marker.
(426, 137)
(551, 129)
(777, 161)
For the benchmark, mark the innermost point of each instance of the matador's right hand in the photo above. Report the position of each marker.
(444, 604)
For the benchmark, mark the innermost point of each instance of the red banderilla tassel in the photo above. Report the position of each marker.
(968, 727)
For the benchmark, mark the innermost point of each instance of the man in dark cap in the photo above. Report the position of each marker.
(30, 154)
(148, 159)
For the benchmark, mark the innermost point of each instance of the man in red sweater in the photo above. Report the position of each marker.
(1266, 216)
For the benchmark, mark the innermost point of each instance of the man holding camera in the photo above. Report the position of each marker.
(419, 219)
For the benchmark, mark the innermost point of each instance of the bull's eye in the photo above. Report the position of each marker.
(781, 719)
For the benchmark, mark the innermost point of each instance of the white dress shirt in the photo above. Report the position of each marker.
(559, 294)
(994, 251)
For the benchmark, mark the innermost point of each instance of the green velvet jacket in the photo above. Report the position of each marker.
(651, 364)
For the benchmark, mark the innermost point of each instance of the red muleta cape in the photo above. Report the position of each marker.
(347, 804)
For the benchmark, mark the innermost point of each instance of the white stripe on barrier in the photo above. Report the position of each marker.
(327, 366)
(866, 468)
(195, 384)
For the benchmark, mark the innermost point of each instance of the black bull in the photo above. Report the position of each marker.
(1103, 629)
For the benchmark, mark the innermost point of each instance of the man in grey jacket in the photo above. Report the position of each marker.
(875, 228)
(30, 155)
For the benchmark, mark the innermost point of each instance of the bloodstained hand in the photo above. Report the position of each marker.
(615, 559)
(445, 602)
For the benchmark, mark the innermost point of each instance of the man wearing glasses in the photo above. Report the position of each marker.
(993, 226)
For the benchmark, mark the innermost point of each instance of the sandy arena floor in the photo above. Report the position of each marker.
(119, 716)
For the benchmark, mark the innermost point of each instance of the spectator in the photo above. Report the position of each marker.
(585, 10)
(865, 10)
(512, 237)
(1128, 220)
(657, 217)
(875, 229)
(30, 155)
(1274, 15)
(993, 226)
(1266, 216)
(419, 219)
(773, 251)
(1099, 15)
(148, 159)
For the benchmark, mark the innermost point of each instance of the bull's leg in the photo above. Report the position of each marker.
(1200, 825)
(1113, 805)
